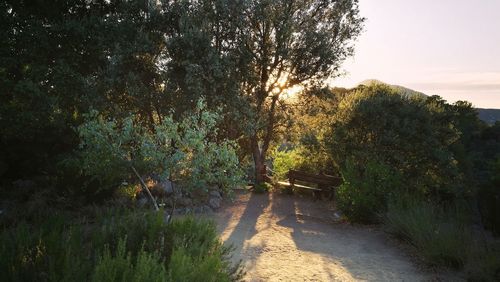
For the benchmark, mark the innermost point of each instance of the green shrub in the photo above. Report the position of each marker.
(489, 200)
(119, 266)
(440, 237)
(484, 262)
(283, 161)
(118, 245)
(188, 150)
(410, 136)
(363, 195)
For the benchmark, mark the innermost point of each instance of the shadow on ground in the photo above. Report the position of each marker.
(294, 238)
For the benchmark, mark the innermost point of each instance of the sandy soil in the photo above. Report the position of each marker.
(293, 238)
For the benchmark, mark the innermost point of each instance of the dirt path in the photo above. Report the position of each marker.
(292, 238)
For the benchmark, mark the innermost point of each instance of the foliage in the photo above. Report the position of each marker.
(489, 200)
(437, 233)
(283, 161)
(114, 246)
(309, 124)
(365, 190)
(443, 238)
(250, 52)
(484, 261)
(406, 137)
(88, 54)
(187, 151)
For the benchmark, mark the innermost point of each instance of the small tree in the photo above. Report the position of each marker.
(186, 151)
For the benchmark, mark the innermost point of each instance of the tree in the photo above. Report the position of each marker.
(260, 49)
(289, 43)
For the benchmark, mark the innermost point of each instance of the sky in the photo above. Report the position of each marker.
(449, 48)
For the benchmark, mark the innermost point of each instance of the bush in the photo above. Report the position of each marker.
(484, 262)
(364, 192)
(379, 137)
(410, 136)
(186, 151)
(439, 235)
(283, 161)
(489, 200)
(117, 246)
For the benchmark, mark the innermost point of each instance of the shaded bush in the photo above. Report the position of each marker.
(364, 192)
(439, 235)
(406, 137)
(118, 245)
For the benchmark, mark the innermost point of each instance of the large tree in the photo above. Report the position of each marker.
(291, 43)
(257, 50)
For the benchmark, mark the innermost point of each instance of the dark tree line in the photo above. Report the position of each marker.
(61, 59)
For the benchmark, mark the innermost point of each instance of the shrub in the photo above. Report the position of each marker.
(439, 235)
(187, 151)
(410, 136)
(484, 262)
(489, 200)
(118, 245)
(364, 192)
(283, 161)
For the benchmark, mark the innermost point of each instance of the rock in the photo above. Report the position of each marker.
(207, 209)
(214, 203)
(215, 194)
(166, 186)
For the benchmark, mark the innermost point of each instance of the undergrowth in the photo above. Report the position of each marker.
(116, 245)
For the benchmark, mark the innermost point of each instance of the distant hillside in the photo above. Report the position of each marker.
(489, 116)
(401, 89)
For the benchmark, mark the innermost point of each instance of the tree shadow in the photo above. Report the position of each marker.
(245, 229)
(363, 251)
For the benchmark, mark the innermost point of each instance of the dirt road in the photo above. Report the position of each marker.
(293, 238)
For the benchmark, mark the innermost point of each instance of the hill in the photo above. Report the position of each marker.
(490, 116)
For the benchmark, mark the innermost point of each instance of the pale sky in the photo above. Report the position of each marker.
(449, 48)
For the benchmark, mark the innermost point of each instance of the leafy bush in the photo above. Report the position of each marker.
(489, 200)
(364, 192)
(484, 262)
(116, 246)
(283, 161)
(376, 133)
(185, 151)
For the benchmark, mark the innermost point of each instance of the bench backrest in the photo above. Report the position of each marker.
(320, 179)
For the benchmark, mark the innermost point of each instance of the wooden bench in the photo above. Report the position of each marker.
(324, 183)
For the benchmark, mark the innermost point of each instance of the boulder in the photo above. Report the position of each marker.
(214, 203)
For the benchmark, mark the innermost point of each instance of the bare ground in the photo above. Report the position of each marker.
(292, 238)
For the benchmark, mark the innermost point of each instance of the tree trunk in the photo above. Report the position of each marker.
(259, 161)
